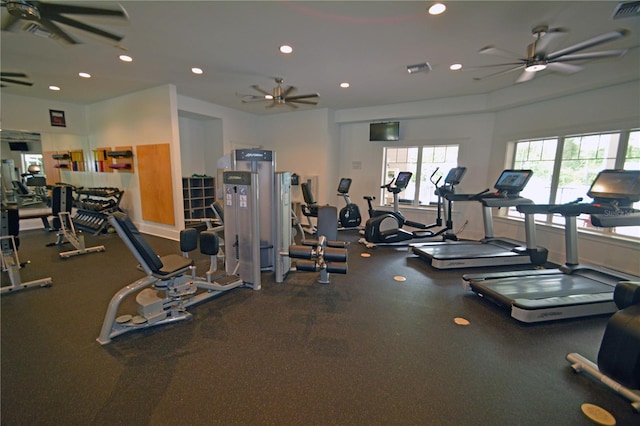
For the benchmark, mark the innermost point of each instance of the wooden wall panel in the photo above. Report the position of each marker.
(156, 190)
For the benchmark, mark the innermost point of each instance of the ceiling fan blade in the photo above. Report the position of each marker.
(271, 105)
(254, 100)
(56, 9)
(53, 28)
(591, 55)
(261, 90)
(490, 50)
(526, 76)
(563, 68)
(88, 28)
(310, 95)
(13, 74)
(543, 43)
(13, 81)
(481, 67)
(302, 102)
(290, 105)
(288, 91)
(595, 41)
(497, 74)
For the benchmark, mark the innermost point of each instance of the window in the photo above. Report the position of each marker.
(423, 162)
(34, 160)
(564, 167)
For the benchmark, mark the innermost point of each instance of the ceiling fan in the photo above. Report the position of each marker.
(12, 78)
(538, 58)
(44, 18)
(280, 96)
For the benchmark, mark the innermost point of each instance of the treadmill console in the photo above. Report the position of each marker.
(622, 186)
(455, 176)
(402, 181)
(615, 191)
(344, 185)
(511, 182)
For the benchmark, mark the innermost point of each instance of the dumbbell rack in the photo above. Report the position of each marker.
(94, 205)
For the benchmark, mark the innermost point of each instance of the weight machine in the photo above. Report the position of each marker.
(62, 205)
(9, 229)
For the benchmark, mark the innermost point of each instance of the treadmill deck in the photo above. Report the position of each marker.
(545, 297)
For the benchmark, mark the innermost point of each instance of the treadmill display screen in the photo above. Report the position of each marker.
(402, 181)
(616, 184)
(513, 180)
(455, 175)
(344, 185)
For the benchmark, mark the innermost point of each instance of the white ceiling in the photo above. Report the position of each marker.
(367, 43)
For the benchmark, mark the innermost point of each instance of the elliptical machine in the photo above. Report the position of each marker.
(386, 227)
(349, 216)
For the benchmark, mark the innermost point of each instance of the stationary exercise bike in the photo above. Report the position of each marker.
(386, 227)
(349, 216)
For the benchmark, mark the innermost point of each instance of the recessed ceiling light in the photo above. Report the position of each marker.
(84, 74)
(197, 70)
(125, 58)
(285, 48)
(54, 88)
(437, 9)
(344, 85)
(455, 67)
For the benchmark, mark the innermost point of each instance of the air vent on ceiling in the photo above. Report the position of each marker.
(627, 9)
(36, 29)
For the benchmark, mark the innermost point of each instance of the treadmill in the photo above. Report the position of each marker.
(573, 290)
(490, 251)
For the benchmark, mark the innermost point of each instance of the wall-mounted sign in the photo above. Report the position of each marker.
(57, 118)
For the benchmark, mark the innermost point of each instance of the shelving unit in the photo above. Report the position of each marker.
(108, 160)
(198, 194)
(77, 161)
(101, 161)
(63, 160)
(122, 159)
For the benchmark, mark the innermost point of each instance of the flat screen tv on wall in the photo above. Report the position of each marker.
(389, 131)
(18, 146)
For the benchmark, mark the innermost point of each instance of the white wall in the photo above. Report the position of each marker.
(361, 160)
(304, 143)
(141, 118)
(32, 115)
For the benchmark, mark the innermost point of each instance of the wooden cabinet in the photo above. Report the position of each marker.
(198, 194)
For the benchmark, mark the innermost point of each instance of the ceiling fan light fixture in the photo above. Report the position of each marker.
(23, 10)
(535, 67)
(422, 67)
(455, 67)
(286, 49)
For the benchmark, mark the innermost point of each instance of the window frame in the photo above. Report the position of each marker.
(619, 162)
(417, 178)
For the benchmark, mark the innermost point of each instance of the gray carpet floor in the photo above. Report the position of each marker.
(363, 350)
